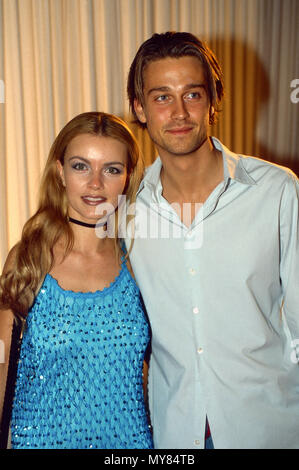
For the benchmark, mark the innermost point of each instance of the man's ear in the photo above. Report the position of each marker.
(138, 108)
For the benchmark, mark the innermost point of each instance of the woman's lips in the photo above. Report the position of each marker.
(93, 201)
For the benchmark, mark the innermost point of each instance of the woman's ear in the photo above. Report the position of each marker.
(138, 108)
(60, 172)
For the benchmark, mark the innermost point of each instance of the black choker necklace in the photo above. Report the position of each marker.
(84, 224)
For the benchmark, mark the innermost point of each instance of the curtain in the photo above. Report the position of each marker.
(59, 58)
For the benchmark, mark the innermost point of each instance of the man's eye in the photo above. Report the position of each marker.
(194, 95)
(79, 166)
(161, 98)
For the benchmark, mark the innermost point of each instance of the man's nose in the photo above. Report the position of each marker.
(180, 110)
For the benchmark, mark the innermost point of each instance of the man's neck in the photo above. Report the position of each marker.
(192, 177)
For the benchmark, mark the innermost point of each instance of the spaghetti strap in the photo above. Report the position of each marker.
(124, 252)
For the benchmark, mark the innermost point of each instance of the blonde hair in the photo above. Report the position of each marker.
(34, 253)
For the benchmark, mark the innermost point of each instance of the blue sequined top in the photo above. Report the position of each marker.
(79, 381)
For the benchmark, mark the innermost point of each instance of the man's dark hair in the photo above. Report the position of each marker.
(175, 45)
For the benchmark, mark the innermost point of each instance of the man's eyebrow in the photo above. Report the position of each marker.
(196, 85)
(186, 87)
(158, 88)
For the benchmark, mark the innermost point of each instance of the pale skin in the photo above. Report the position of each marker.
(6, 324)
(94, 172)
(176, 111)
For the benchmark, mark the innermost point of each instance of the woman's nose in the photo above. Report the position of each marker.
(96, 181)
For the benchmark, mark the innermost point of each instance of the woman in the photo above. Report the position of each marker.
(79, 379)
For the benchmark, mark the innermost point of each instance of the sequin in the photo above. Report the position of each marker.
(79, 383)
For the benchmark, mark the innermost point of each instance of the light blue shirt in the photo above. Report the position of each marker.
(222, 345)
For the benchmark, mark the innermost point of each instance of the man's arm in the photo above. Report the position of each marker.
(289, 260)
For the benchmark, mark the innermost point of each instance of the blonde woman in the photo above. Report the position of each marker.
(79, 376)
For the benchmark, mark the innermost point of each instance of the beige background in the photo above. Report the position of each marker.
(59, 58)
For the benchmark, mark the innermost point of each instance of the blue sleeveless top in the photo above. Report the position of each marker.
(79, 381)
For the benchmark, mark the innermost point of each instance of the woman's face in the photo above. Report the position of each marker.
(94, 174)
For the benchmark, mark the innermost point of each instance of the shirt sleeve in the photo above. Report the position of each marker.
(289, 258)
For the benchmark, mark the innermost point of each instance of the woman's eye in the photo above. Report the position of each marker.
(112, 170)
(79, 166)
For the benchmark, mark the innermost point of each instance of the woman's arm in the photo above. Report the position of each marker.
(6, 326)
(145, 379)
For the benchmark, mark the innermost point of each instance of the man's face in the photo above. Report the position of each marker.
(176, 105)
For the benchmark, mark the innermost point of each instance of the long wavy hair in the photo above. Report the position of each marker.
(34, 255)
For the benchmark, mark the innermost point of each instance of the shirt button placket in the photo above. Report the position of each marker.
(195, 309)
(194, 280)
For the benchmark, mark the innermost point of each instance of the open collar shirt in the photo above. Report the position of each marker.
(222, 296)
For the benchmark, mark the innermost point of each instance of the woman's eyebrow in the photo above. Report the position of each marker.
(78, 156)
(114, 162)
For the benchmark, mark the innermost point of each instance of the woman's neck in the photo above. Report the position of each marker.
(90, 240)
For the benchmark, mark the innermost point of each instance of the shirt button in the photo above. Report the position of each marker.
(195, 310)
(200, 350)
(196, 442)
(192, 271)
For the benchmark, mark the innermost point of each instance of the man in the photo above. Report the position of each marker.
(220, 275)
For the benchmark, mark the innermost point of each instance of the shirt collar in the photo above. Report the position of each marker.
(233, 164)
(232, 167)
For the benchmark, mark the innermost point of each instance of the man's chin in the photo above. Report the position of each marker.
(183, 149)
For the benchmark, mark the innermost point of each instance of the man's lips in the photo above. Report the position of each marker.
(93, 200)
(179, 130)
